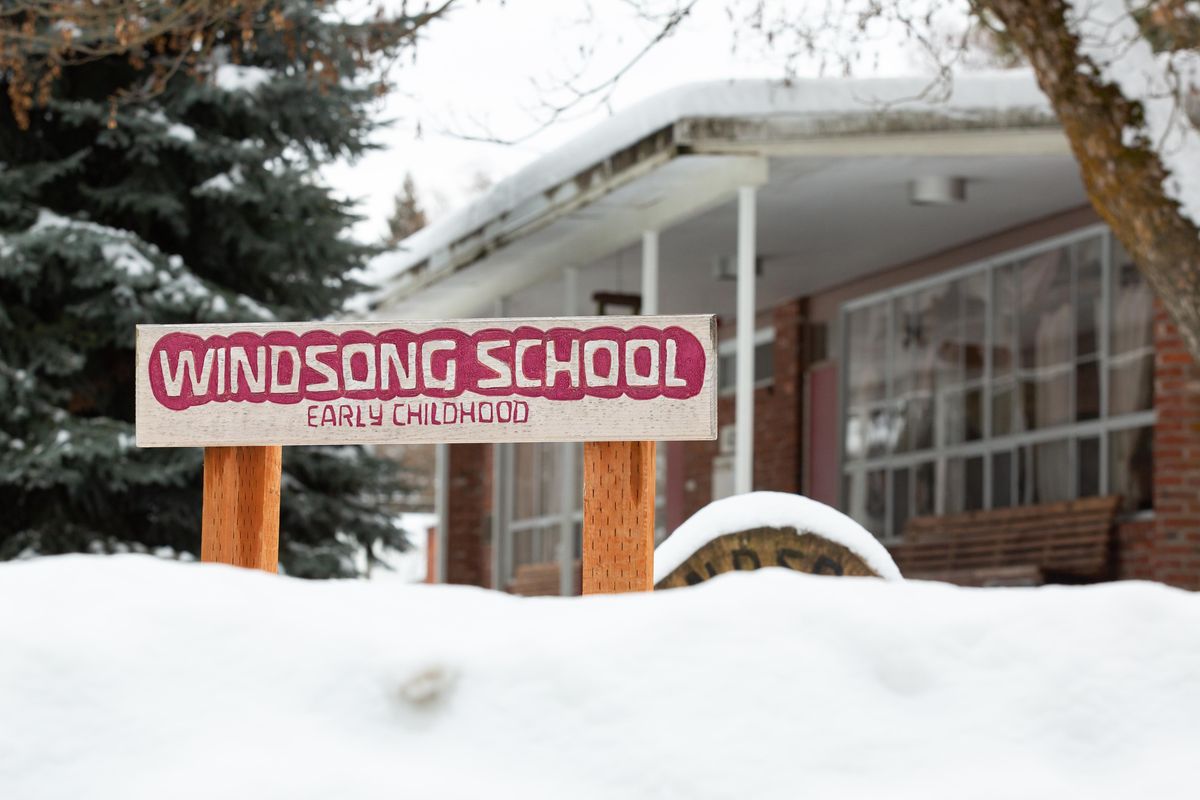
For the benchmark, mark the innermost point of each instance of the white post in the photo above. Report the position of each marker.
(743, 459)
(568, 465)
(499, 490)
(650, 280)
(441, 493)
(650, 272)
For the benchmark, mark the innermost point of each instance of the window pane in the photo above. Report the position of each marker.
(1085, 257)
(535, 545)
(726, 371)
(964, 484)
(913, 380)
(1003, 409)
(1002, 479)
(1089, 466)
(963, 418)
(924, 489)
(856, 434)
(879, 432)
(944, 309)
(1046, 323)
(867, 349)
(525, 500)
(1131, 376)
(1087, 390)
(1004, 320)
(899, 500)
(866, 499)
(1052, 472)
(1131, 467)
(974, 330)
(764, 362)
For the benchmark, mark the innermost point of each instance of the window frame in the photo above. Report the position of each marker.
(728, 347)
(940, 453)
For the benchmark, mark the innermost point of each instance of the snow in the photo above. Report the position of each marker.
(223, 182)
(131, 677)
(127, 258)
(236, 77)
(989, 92)
(1110, 37)
(184, 133)
(770, 510)
(410, 565)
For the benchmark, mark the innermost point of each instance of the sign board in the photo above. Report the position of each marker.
(491, 380)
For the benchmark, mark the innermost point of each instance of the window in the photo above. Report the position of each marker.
(764, 361)
(1026, 379)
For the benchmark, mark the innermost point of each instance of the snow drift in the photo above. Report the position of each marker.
(130, 677)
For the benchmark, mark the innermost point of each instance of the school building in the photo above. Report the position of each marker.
(938, 321)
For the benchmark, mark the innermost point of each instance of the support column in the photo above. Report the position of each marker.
(743, 459)
(650, 272)
(568, 466)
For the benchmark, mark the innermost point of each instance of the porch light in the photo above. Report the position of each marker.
(937, 190)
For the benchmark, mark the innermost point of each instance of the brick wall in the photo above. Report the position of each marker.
(777, 419)
(469, 515)
(1176, 547)
(1135, 549)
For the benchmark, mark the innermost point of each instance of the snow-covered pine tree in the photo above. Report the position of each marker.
(199, 204)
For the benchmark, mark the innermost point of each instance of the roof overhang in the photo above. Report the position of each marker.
(569, 208)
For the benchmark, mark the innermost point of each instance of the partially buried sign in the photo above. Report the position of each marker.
(556, 379)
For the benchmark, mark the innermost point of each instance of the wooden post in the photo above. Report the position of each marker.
(618, 517)
(241, 506)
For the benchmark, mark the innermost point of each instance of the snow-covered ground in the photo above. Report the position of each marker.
(132, 677)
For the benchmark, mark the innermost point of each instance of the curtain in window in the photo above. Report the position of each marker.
(1132, 359)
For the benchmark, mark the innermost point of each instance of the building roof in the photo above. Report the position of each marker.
(723, 121)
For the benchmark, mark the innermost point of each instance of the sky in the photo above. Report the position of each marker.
(487, 69)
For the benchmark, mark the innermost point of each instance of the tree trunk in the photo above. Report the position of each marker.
(1124, 183)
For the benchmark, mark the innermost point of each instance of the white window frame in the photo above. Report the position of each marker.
(728, 347)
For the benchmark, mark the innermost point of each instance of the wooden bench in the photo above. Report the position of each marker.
(1026, 546)
(539, 580)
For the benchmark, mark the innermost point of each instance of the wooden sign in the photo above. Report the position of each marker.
(755, 548)
(497, 380)
(616, 383)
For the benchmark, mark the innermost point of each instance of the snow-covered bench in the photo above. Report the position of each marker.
(1024, 546)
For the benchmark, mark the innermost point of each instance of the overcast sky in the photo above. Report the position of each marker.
(485, 70)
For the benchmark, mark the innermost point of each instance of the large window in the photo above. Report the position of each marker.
(533, 473)
(1026, 379)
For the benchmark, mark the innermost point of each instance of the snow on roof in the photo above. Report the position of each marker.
(770, 510)
(129, 677)
(1008, 90)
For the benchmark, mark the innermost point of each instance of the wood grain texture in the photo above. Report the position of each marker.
(618, 517)
(236, 399)
(241, 506)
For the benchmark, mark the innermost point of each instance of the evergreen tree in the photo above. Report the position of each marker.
(408, 216)
(198, 205)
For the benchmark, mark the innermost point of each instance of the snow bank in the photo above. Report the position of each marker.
(770, 510)
(128, 677)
